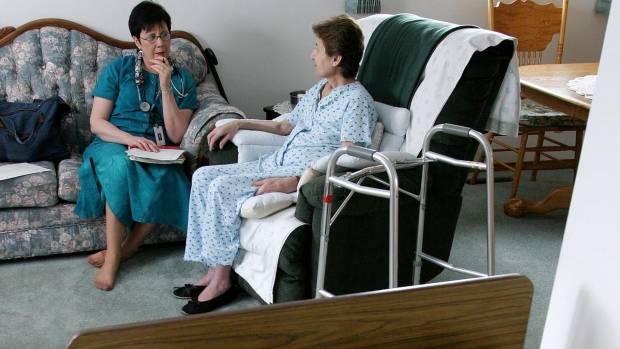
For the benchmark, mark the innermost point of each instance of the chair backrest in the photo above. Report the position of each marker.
(534, 26)
(482, 76)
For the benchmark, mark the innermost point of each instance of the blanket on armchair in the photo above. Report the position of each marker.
(431, 57)
(393, 76)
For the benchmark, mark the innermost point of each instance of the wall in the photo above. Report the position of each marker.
(585, 29)
(264, 46)
(584, 311)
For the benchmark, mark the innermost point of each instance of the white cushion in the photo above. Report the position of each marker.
(252, 144)
(263, 205)
(252, 137)
(391, 142)
(395, 121)
(377, 136)
(251, 152)
(308, 175)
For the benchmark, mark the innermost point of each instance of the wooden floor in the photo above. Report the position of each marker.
(485, 312)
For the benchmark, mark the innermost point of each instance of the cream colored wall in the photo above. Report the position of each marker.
(264, 46)
(584, 311)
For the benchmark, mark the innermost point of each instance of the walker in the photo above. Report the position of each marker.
(389, 166)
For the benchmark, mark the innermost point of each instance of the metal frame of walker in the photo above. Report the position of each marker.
(386, 165)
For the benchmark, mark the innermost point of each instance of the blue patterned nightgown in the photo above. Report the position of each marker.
(347, 114)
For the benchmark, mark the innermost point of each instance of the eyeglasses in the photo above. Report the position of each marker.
(152, 38)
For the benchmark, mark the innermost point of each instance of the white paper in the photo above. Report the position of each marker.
(18, 170)
(163, 154)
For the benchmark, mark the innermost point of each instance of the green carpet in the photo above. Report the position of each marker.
(45, 301)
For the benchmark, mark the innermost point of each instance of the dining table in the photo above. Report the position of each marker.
(548, 84)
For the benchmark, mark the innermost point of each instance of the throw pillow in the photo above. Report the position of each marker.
(263, 205)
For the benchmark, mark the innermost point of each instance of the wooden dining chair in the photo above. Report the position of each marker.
(534, 25)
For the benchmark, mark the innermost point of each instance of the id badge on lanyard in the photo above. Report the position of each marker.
(159, 135)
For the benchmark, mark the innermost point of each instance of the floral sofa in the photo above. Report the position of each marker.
(52, 56)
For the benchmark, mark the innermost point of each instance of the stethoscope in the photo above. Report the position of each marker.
(144, 105)
(181, 93)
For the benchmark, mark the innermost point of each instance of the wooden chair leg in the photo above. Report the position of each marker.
(578, 144)
(519, 164)
(474, 174)
(539, 143)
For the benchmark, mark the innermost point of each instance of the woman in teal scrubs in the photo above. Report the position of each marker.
(136, 100)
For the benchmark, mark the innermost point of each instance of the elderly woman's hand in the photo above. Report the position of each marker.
(279, 185)
(223, 134)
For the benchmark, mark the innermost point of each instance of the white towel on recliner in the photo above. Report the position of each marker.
(261, 242)
(442, 73)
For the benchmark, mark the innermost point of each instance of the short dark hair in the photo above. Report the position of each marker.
(342, 36)
(147, 15)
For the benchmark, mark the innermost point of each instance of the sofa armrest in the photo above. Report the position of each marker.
(213, 107)
(198, 128)
(224, 156)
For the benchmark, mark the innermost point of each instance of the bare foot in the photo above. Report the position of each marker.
(106, 276)
(97, 259)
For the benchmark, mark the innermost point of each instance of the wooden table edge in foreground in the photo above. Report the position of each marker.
(546, 84)
(490, 312)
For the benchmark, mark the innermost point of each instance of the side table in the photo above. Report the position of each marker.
(270, 114)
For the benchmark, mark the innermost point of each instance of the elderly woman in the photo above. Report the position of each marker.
(337, 111)
(140, 101)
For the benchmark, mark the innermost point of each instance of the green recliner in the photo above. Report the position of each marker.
(358, 247)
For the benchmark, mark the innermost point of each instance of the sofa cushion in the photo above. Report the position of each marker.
(68, 178)
(33, 190)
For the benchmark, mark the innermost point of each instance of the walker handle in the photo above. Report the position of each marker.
(361, 152)
(456, 130)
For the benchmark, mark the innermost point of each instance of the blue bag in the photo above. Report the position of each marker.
(31, 131)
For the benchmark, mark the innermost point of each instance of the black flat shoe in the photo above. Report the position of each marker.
(188, 291)
(195, 307)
